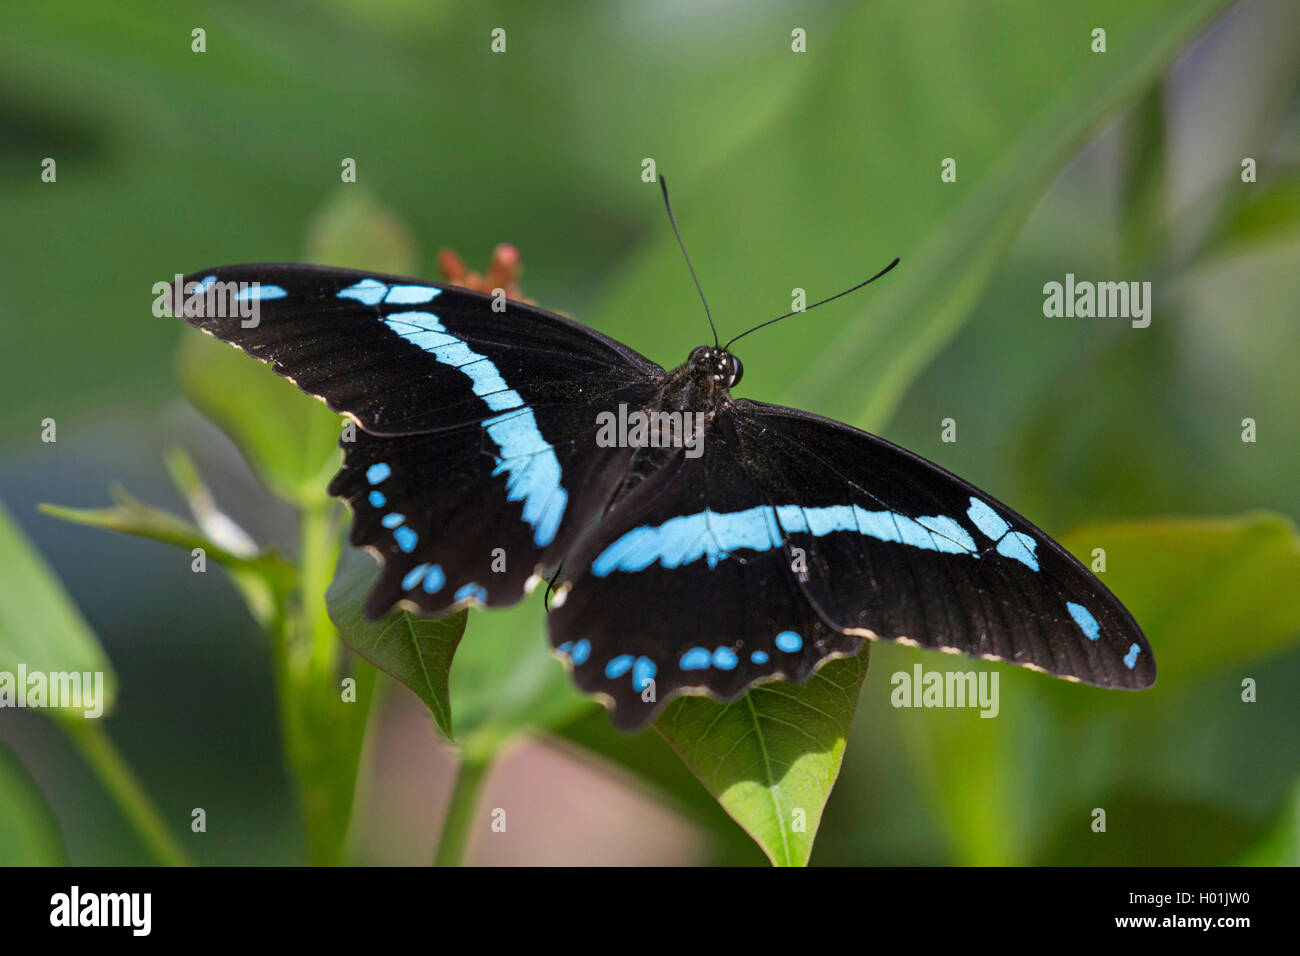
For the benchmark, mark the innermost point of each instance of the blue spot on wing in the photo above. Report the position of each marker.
(378, 472)
(414, 576)
(377, 499)
(992, 524)
(724, 659)
(1015, 545)
(1131, 658)
(367, 292)
(759, 657)
(406, 539)
(471, 590)
(643, 672)
(258, 293)
(581, 651)
(430, 576)
(1019, 547)
(789, 641)
(434, 580)
(1083, 617)
(618, 666)
(392, 519)
(696, 659)
(410, 294)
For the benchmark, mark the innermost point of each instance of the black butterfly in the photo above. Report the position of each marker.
(754, 543)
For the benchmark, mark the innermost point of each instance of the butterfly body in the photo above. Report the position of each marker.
(719, 543)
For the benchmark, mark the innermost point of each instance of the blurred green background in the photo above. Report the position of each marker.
(789, 170)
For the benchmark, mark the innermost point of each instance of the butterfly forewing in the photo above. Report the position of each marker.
(475, 460)
(891, 546)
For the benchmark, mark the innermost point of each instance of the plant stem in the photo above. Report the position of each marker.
(317, 558)
(309, 693)
(122, 785)
(470, 776)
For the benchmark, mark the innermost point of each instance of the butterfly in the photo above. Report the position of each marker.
(692, 541)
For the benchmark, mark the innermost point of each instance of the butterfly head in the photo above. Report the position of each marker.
(719, 365)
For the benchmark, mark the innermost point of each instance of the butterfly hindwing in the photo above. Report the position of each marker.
(897, 548)
(655, 594)
(436, 507)
(475, 461)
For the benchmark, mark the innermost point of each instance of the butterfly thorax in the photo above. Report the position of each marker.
(701, 384)
(675, 421)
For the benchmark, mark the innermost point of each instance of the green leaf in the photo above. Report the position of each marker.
(771, 758)
(1210, 593)
(1281, 847)
(40, 627)
(288, 438)
(261, 578)
(218, 526)
(1170, 832)
(649, 761)
(415, 651)
(1266, 213)
(30, 835)
(355, 231)
(851, 199)
(508, 681)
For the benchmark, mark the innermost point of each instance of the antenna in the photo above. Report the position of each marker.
(727, 347)
(663, 185)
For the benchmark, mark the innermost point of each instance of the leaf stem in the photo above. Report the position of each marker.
(318, 556)
(121, 783)
(470, 776)
(309, 663)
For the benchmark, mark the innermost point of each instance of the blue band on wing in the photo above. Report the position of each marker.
(1010, 544)
(533, 472)
(714, 535)
(256, 293)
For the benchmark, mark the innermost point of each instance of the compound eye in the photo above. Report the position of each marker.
(737, 371)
